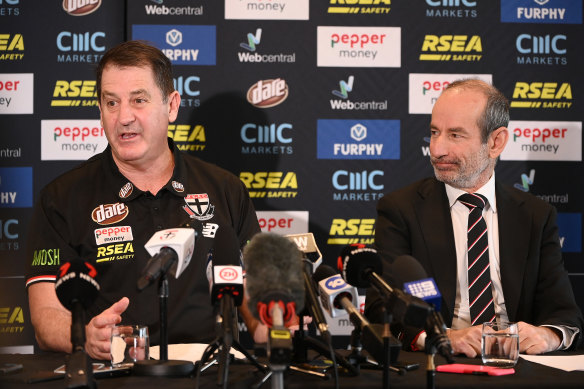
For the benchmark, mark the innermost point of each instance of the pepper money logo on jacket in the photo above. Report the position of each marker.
(199, 206)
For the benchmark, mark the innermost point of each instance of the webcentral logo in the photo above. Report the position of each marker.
(157, 10)
(359, 6)
(253, 40)
(526, 181)
(345, 87)
(451, 9)
(451, 48)
(542, 95)
(541, 49)
(343, 93)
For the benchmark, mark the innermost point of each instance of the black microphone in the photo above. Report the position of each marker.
(77, 289)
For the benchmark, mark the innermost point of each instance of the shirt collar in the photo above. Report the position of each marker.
(487, 190)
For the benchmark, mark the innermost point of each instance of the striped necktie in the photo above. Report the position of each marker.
(480, 295)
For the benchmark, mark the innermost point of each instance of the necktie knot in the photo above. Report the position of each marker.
(472, 200)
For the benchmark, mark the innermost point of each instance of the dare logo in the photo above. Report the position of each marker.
(187, 137)
(348, 231)
(267, 93)
(80, 7)
(107, 214)
(11, 47)
(467, 48)
(274, 184)
(542, 95)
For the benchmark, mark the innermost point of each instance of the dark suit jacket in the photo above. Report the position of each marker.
(416, 221)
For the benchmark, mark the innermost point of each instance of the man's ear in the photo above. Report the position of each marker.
(173, 106)
(497, 141)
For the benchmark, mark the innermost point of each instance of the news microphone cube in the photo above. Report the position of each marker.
(181, 240)
(426, 290)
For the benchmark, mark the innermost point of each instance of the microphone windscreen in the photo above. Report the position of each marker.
(76, 283)
(356, 265)
(406, 268)
(273, 263)
(226, 250)
(323, 272)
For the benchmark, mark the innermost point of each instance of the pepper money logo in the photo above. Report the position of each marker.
(80, 7)
(267, 93)
(359, 6)
(454, 48)
(542, 95)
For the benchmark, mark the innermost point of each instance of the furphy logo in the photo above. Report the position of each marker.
(74, 93)
(450, 9)
(526, 181)
(541, 11)
(162, 10)
(425, 88)
(348, 231)
(182, 44)
(454, 48)
(84, 47)
(107, 214)
(543, 141)
(15, 187)
(283, 222)
(349, 105)
(267, 93)
(80, 7)
(266, 139)
(9, 235)
(542, 95)
(9, 8)
(72, 140)
(359, 6)
(266, 9)
(272, 184)
(187, 137)
(344, 46)
(253, 40)
(16, 93)
(358, 139)
(11, 47)
(541, 49)
(187, 86)
(357, 185)
(570, 231)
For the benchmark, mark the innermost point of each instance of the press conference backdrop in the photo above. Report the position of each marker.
(318, 106)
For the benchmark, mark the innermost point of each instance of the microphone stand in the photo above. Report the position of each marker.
(79, 370)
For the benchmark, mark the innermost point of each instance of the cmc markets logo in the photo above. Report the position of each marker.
(348, 231)
(161, 10)
(107, 214)
(570, 231)
(359, 6)
(541, 11)
(541, 49)
(543, 141)
(268, 139)
(15, 187)
(467, 48)
(187, 87)
(9, 235)
(357, 186)
(9, 8)
(283, 222)
(182, 44)
(187, 137)
(450, 9)
(542, 95)
(84, 47)
(344, 46)
(270, 184)
(11, 47)
(267, 93)
(267, 10)
(71, 139)
(425, 88)
(345, 104)
(80, 7)
(74, 93)
(253, 40)
(16, 93)
(358, 139)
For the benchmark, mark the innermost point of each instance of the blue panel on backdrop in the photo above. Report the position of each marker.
(15, 187)
(549, 12)
(570, 226)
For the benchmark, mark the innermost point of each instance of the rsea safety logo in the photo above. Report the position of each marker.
(11, 320)
(536, 49)
(455, 48)
(266, 10)
(115, 252)
(283, 222)
(345, 46)
(359, 6)
(451, 9)
(425, 88)
(15, 187)
(358, 139)
(251, 55)
(543, 141)
(188, 89)
(362, 185)
(346, 104)
(541, 11)
(16, 93)
(187, 137)
(570, 231)
(80, 47)
(74, 93)
(267, 93)
(11, 47)
(71, 140)
(9, 8)
(80, 7)
(348, 231)
(9, 233)
(557, 95)
(267, 139)
(160, 9)
(270, 184)
(182, 44)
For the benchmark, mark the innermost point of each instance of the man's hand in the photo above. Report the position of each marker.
(99, 329)
(466, 341)
(537, 340)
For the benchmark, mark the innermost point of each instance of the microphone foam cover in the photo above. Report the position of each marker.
(76, 283)
(358, 263)
(406, 268)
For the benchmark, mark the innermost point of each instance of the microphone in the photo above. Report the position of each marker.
(307, 245)
(225, 265)
(77, 289)
(171, 250)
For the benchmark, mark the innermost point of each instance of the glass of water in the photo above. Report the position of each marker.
(500, 344)
(129, 343)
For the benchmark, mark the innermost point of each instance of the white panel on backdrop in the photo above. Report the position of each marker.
(262, 10)
(71, 139)
(16, 93)
(283, 222)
